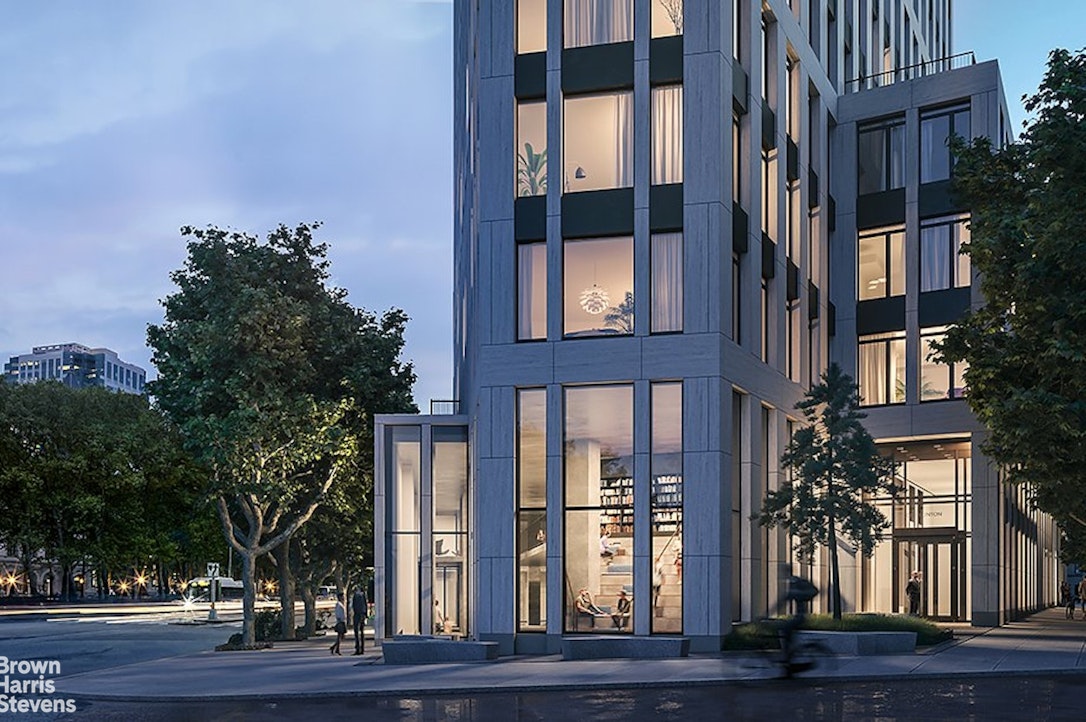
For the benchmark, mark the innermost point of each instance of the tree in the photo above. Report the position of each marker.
(1026, 347)
(272, 377)
(834, 463)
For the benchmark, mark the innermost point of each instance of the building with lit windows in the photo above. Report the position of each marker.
(670, 218)
(77, 366)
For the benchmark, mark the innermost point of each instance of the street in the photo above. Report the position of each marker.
(984, 699)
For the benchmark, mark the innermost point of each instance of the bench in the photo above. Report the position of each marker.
(624, 647)
(421, 649)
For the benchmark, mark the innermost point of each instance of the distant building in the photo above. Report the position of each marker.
(76, 366)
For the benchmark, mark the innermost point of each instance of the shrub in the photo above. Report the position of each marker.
(234, 645)
(268, 624)
(763, 634)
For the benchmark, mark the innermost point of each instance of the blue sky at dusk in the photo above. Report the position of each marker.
(121, 121)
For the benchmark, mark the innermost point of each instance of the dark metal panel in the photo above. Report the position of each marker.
(940, 308)
(598, 213)
(938, 199)
(530, 218)
(880, 315)
(740, 229)
(666, 60)
(769, 257)
(812, 188)
(530, 75)
(666, 207)
(875, 210)
(793, 280)
(812, 301)
(793, 160)
(740, 88)
(832, 211)
(831, 322)
(769, 127)
(597, 68)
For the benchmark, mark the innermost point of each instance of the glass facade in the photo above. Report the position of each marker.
(667, 282)
(598, 287)
(667, 18)
(598, 142)
(882, 369)
(404, 509)
(936, 130)
(531, 155)
(597, 22)
(939, 381)
(599, 506)
(531, 291)
(881, 264)
(531, 26)
(942, 264)
(667, 507)
(667, 134)
(532, 510)
(450, 529)
(931, 532)
(881, 157)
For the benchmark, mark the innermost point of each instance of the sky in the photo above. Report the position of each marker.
(121, 121)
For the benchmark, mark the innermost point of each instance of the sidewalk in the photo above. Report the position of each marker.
(1046, 643)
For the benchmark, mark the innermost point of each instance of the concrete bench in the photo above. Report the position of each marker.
(624, 647)
(419, 649)
(861, 643)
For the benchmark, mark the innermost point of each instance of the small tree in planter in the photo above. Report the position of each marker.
(834, 463)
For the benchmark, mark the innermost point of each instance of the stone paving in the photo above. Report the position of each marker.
(1045, 643)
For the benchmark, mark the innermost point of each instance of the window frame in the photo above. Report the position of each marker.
(887, 179)
(889, 387)
(887, 235)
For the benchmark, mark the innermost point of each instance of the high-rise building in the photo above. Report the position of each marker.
(670, 218)
(76, 366)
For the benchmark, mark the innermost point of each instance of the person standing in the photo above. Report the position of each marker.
(341, 624)
(1080, 591)
(912, 590)
(359, 609)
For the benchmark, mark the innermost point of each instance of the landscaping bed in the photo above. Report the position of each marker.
(763, 634)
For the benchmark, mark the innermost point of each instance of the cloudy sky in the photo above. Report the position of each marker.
(121, 121)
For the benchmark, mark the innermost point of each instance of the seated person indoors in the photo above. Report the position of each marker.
(621, 616)
(586, 605)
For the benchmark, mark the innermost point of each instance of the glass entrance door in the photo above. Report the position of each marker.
(941, 560)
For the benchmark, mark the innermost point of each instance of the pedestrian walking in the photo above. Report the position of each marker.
(359, 608)
(341, 625)
(1080, 591)
(1067, 600)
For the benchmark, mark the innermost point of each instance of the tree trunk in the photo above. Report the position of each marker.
(309, 599)
(248, 621)
(286, 589)
(835, 571)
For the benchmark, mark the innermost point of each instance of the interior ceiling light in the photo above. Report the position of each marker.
(595, 300)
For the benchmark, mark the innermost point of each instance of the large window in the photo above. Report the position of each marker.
(596, 22)
(450, 529)
(531, 26)
(667, 282)
(881, 157)
(881, 267)
(598, 287)
(531, 291)
(882, 369)
(598, 135)
(667, 134)
(939, 381)
(532, 510)
(942, 264)
(599, 507)
(531, 160)
(404, 512)
(667, 507)
(667, 18)
(936, 129)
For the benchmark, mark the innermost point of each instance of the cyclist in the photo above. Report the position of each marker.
(800, 592)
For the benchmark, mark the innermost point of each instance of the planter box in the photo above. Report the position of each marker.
(624, 647)
(430, 650)
(862, 643)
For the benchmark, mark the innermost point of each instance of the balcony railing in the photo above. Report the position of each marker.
(444, 407)
(918, 70)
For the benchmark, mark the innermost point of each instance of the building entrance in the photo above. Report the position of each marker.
(940, 557)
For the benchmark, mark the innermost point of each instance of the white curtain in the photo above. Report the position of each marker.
(531, 324)
(934, 268)
(873, 373)
(667, 282)
(623, 140)
(596, 22)
(667, 134)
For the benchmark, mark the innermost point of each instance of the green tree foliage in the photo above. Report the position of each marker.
(273, 377)
(834, 463)
(93, 477)
(1026, 348)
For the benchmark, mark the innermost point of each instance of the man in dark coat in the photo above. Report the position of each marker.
(360, 607)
